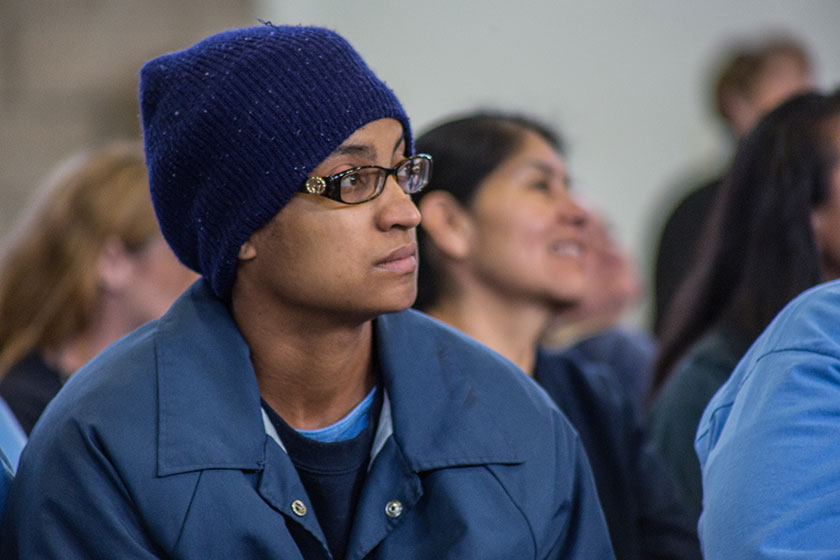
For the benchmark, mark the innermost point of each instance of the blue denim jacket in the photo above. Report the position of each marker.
(158, 448)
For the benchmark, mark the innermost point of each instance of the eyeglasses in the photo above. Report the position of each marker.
(361, 184)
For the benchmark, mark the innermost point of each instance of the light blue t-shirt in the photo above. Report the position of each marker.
(769, 441)
(348, 427)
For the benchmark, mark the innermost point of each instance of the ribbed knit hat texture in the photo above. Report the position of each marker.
(233, 125)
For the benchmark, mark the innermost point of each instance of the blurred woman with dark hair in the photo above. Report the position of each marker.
(769, 239)
(501, 249)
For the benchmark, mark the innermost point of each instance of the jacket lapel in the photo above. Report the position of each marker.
(281, 487)
(209, 404)
(391, 489)
(432, 418)
(440, 418)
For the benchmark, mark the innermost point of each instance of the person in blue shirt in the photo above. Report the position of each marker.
(774, 235)
(289, 405)
(502, 246)
(767, 439)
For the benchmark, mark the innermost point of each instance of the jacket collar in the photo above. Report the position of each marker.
(440, 417)
(209, 403)
(209, 413)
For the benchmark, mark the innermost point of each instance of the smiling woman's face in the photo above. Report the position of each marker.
(528, 231)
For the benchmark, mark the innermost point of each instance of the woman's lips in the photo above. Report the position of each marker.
(400, 261)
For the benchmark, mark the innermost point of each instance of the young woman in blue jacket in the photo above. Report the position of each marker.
(289, 405)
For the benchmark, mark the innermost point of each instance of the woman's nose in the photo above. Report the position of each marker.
(571, 211)
(398, 210)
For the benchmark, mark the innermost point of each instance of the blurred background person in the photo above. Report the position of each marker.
(501, 251)
(86, 265)
(767, 441)
(593, 326)
(752, 79)
(774, 233)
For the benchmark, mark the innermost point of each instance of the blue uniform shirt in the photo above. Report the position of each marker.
(768, 441)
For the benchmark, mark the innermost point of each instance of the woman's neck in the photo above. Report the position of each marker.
(512, 329)
(311, 373)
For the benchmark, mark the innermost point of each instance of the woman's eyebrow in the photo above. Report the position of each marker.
(548, 170)
(356, 150)
(539, 166)
(364, 150)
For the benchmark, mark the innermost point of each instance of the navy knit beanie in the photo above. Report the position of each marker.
(233, 125)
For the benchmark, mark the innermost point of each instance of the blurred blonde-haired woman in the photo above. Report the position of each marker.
(86, 265)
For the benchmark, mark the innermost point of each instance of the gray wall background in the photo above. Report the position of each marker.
(626, 82)
(69, 72)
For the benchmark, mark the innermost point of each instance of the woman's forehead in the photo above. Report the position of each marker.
(376, 136)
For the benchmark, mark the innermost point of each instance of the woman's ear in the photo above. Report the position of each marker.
(447, 224)
(247, 251)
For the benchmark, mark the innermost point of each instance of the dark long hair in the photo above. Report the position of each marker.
(758, 251)
(466, 150)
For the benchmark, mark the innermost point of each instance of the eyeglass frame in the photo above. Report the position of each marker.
(330, 186)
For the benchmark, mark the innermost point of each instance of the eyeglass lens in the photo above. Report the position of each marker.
(364, 184)
(360, 185)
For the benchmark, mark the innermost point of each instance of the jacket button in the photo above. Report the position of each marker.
(299, 508)
(394, 509)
